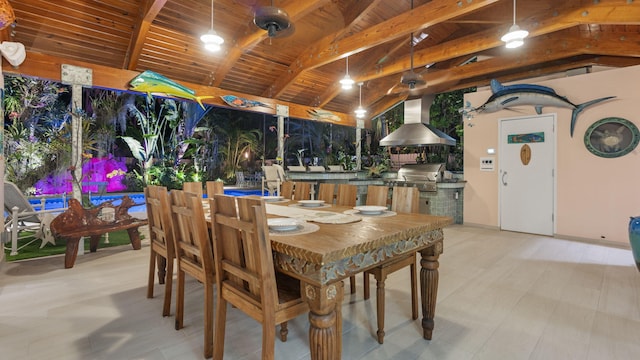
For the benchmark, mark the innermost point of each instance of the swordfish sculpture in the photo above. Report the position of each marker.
(507, 96)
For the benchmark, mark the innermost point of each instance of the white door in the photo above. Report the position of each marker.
(526, 176)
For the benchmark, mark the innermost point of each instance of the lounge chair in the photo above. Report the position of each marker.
(21, 216)
(272, 178)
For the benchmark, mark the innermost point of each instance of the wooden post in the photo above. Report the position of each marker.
(282, 111)
(77, 77)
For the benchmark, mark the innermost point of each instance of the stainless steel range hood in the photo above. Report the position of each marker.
(416, 129)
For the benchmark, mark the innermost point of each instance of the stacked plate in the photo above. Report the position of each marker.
(370, 209)
(283, 224)
(311, 203)
(272, 198)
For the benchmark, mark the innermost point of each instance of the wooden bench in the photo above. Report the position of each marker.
(77, 222)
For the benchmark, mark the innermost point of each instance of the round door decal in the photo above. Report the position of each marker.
(525, 154)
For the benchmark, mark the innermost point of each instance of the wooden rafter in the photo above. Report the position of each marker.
(140, 33)
(324, 51)
(296, 11)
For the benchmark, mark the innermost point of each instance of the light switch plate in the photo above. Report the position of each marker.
(487, 163)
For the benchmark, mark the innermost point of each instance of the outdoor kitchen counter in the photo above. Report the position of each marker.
(447, 201)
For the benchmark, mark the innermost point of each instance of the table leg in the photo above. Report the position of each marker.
(134, 237)
(71, 252)
(325, 320)
(429, 288)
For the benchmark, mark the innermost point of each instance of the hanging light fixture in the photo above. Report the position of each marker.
(347, 82)
(211, 39)
(360, 111)
(515, 37)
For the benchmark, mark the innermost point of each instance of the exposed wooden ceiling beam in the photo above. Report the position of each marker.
(328, 49)
(385, 104)
(542, 50)
(297, 10)
(539, 24)
(49, 67)
(152, 9)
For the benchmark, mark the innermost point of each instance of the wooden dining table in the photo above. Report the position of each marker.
(336, 251)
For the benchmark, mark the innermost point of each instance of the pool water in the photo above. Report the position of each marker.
(138, 198)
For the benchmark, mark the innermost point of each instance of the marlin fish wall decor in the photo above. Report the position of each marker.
(153, 83)
(506, 96)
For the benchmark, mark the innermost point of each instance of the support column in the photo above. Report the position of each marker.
(359, 127)
(282, 111)
(77, 77)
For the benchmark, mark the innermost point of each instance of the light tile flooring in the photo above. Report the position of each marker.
(502, 295)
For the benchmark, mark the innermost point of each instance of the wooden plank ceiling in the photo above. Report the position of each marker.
(303, 67)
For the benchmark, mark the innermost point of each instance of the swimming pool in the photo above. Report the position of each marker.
(138, 198)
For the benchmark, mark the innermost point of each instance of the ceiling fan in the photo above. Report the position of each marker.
(410, 78)
(274, 20)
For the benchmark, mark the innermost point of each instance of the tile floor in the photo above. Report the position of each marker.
(502, 295)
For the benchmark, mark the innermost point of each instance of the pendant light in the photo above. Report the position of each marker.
(347, 82)
(360, 111)
(211, 39)
(515, 37)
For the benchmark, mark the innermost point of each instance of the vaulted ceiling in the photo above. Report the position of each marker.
(302, 65)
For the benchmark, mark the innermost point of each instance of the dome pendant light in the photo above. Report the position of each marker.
(515, 37)
(347, 82)
(360, 111)
(212, 41)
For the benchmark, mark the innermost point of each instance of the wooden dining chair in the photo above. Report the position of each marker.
(404, 199)
(193, 187)
(326, 192)
(377, 195)
(214, 187)
(161, 242)
(347, 195)
(286, 189)
(302, 190)
(194, 256)
(245, 273)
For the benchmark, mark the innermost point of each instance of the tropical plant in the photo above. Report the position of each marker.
(238, 141)
(152, 121)
(445, 116)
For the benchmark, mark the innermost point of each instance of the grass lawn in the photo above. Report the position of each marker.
(33, 250)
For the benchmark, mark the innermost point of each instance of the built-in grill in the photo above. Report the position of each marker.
(422, 176)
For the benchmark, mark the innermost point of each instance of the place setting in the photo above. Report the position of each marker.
(290, 226)
(274, 199)
(311, 204)
(370, 210)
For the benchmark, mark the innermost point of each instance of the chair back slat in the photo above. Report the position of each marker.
(326, 192)
(194, 187)
(302, 190)
(405, 199)
(347, 195)
(244, 263)
(159, 217)
(192, 243)
(286, 190)
(214, 187)
(377, 195)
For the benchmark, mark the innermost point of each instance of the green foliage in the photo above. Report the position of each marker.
(152, 121)
(445, 116)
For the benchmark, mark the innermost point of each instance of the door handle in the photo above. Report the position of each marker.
(504, 182)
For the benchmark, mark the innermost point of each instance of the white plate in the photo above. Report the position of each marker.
(272, 198)
(311, 203)
(283, 224)
(370, 209)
